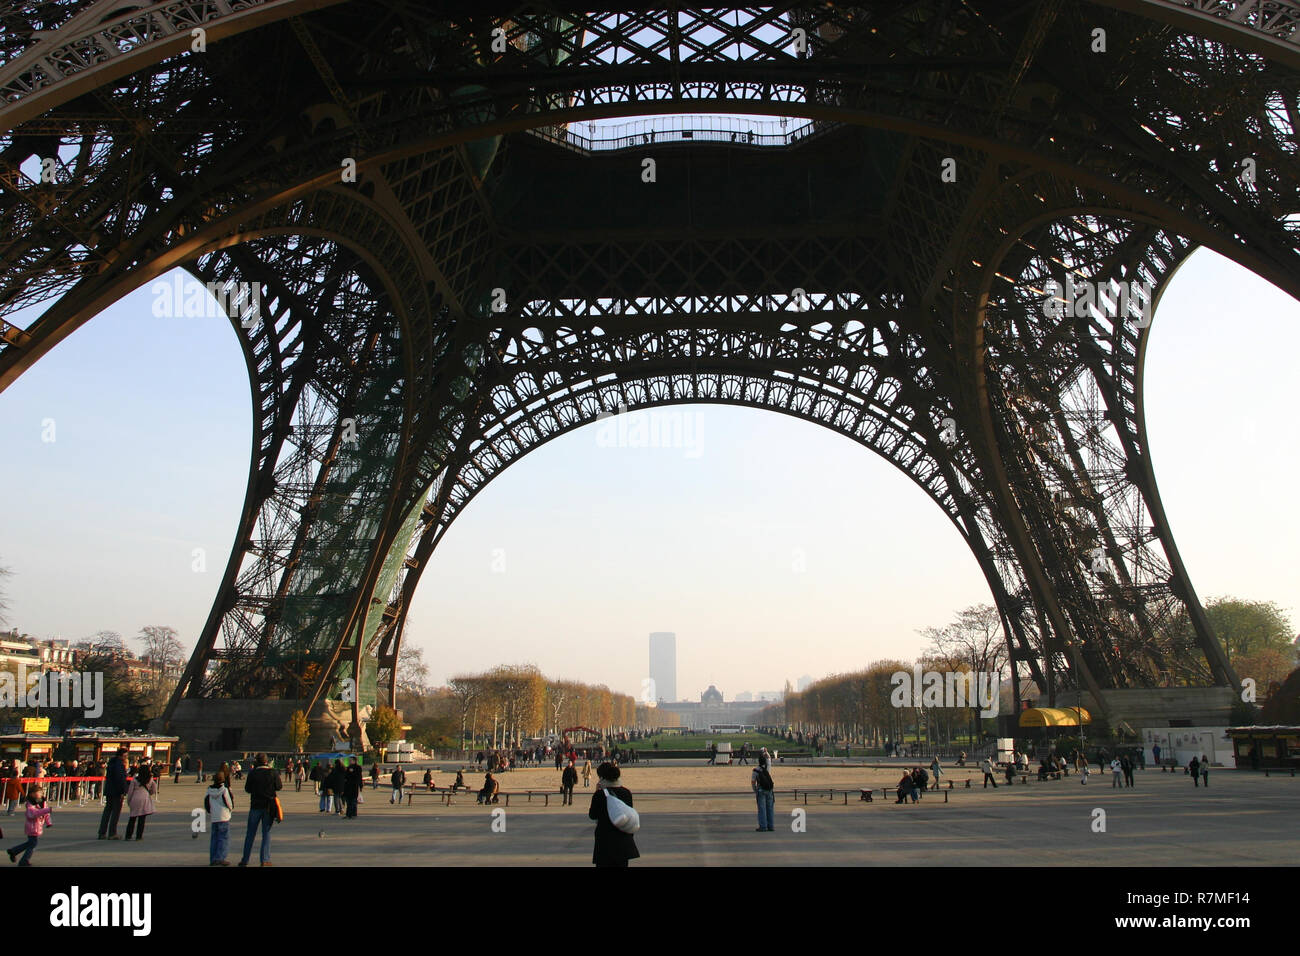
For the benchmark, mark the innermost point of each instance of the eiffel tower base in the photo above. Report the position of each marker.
(214, 730)
(1160, 706)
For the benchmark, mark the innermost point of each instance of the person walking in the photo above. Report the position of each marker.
(987, 767)
(299, 775)
(1205, 771)
(613, 847)
(374, 775)
(221, 807)
(936, 770)
(398, 780)
(13, 790)
(1155, 754)
(586, 773)
(37, 817)
(353, 781)
(139, 799)
(760, 781)
(568, 780)
(176, 771)
(1194, 768)
(199, 770)
(114, 791)
(1126, 764)
(261, 786)
(1116, 769)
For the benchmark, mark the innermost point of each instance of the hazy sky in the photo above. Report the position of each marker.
(603, 545)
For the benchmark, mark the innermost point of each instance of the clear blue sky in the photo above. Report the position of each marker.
(603, 545)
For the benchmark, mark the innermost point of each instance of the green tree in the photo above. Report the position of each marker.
(299, 729)
(435, 733)
(1245, 628)
(385, 725)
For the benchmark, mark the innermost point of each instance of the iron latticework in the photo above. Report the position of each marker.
(448, 272)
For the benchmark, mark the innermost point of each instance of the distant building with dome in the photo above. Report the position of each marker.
(713, 710)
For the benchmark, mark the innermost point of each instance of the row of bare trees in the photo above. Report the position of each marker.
(517, 701)
(864, 705)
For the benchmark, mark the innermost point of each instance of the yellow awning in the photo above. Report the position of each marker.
(1054, 717)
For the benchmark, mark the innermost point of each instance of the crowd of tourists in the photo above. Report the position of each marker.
(130, 782)
(61, 780)
(502, 760)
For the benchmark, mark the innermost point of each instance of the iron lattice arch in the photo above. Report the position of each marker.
(495, 274)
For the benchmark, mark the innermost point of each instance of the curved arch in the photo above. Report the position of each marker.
(278, 386)
(1120, 390)
(1272, 31)
(1034, 142)
(575, 397)
(410, 118)
(87, 52)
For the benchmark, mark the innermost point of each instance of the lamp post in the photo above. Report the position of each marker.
(1078, 697)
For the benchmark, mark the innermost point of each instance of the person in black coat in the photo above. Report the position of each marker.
(352, 783)
(114, 791)
(334, 782)
(613, 846)
(568, 780)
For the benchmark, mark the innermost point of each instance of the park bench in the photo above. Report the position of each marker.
(502, 796)
(443, 793)
(865, 794)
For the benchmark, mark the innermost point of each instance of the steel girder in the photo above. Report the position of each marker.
(1096, 166)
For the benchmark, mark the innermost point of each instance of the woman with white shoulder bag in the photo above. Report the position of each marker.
(616, 821)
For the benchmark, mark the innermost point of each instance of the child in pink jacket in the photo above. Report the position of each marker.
(38, 818)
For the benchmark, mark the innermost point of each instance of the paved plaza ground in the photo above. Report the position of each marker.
(692, 815)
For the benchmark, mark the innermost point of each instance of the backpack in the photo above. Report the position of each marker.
(764, 779)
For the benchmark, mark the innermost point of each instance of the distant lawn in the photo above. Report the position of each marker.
(702, 741)
(756, 740)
